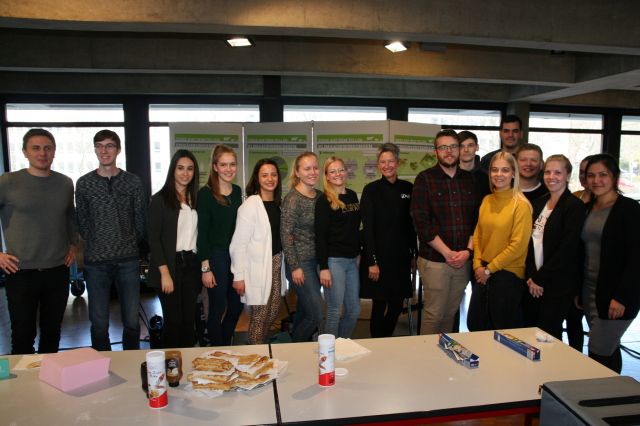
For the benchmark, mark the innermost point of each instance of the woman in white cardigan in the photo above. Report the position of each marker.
(256, 258)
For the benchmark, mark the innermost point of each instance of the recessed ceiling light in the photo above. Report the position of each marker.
(239, 42)
(397, 46)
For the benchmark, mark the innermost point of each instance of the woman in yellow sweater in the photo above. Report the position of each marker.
(500, 245)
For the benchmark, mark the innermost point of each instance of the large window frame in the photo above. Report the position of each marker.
(137, 124)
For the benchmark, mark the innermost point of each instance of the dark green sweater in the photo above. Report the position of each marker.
(216, 222)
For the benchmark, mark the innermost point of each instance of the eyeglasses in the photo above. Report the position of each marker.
(334, 171)
(453, 147)
(108, 146)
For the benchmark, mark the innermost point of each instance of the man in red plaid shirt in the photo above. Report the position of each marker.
(444, 208)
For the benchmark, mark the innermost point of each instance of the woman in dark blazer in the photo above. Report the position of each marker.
(174, 270)
(553, 266)
(611, 288)
(389, 243)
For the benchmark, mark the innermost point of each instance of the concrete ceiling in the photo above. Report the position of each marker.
(495, 50)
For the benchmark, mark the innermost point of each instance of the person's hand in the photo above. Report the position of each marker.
(325, 278)
(374, 272)
(208, 280)
(70, 256)
(297, 277)
(534, 289)
(7, 263)
(167, 283)
(616, 310)
(458, 259)
(239, 287)
(481, 276)
(576, 301)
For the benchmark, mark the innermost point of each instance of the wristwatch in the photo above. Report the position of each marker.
(205, 269)
(487, 271)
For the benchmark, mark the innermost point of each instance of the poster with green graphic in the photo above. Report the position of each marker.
(201, 138)
(356, 143)
(281, 142)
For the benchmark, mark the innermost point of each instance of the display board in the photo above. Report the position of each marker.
(282, 142)
(356, 143)
(200, 138)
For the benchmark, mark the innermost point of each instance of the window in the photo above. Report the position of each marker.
(162, 114)
(75, 155)
(582, 137)
(473, 120)
(333, 113)
(629, 182)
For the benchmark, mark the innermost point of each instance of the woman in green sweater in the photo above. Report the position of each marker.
(500, 245)
(218, 204)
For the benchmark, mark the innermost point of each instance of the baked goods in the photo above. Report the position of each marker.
(223, 371)
(211, 364)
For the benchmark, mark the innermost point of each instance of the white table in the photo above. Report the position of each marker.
(407, 378)
(25, 400)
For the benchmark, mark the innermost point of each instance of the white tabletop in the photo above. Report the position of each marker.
(412, 377)
(25, 400)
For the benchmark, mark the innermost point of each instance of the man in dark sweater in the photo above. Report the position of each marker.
(40, 233)
(470, 161)
(530, 164)
(112, 220)
(511, 135)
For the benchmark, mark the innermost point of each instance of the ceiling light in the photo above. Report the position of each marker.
(240, 42)
(397, 46)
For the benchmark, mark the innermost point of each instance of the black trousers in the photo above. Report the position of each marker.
(179, 307)
(495, 305)
(30, 290)
(383, 324)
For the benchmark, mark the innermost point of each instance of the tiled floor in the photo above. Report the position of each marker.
(75, 333)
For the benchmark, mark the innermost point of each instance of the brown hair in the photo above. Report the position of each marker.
(561, 159)
(253, 187)
(213, 182)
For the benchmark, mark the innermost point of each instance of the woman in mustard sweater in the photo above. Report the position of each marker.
(500, 245)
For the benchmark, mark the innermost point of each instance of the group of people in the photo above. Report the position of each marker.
(535, 253)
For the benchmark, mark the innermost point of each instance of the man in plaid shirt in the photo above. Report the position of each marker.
(444, 208)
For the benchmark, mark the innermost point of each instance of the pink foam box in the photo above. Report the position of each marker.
(72, 369)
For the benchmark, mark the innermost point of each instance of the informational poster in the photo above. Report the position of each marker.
(357, 142)
(200, 138)
(416, 143)
(282, 142)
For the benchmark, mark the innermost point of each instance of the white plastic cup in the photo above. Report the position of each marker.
(157, 379)
(326, 360)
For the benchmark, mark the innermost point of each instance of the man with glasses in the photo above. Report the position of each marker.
(40, 234)
(444, 208)
(112, 221)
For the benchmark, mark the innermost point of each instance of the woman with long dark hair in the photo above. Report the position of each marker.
(610, 235)
(552, 260)
(172, 226)
(337, 225)
(256, 258)
(297, 233)
(218, 204)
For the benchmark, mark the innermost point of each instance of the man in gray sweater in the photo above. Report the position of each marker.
(40, 233)
(112, 220)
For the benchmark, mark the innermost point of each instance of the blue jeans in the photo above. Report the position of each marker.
(222, 297)
(127, 278)
(345, 290)
(309, 306)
